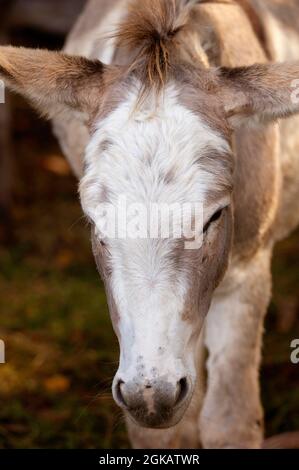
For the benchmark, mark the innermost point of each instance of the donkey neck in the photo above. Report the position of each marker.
(231, 35)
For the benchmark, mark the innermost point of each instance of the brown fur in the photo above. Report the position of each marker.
(51, 78)
(159, 35)
(285, 11)
(254, 14)
(151, 34)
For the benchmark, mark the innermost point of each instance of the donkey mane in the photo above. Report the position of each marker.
(158, 37)
(151, 34)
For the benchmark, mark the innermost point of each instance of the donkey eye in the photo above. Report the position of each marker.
(102, 243)
(214, 218)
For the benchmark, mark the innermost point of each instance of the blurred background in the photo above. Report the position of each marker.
(61, 351)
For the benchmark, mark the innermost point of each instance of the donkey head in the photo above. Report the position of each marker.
(171, 147)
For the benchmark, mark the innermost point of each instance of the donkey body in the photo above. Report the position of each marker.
(256, 169)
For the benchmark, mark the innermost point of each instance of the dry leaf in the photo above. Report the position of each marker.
(57, 165)
(64, 259)
(57, 384)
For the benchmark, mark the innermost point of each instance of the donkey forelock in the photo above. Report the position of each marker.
(157, 39)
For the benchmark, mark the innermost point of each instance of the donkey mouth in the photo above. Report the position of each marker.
(159, 415)
(163, 419)
(154, 402)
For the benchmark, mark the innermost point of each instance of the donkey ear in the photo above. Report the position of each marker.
(52, 81)
(263, 93)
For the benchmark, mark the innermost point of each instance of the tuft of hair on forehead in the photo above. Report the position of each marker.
(149, 32)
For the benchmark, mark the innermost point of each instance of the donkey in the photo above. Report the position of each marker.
(177, 101)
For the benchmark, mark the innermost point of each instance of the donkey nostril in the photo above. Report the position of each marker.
(119, 395)
(182, 390)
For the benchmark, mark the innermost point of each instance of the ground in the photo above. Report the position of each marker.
(60, 348)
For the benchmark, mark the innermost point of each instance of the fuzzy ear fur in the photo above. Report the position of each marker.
(52, 81)
(263, 92)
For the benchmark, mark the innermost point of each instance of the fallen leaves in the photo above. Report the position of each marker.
(57, 384)
(64, 259)
(56, 164)
(10, 380)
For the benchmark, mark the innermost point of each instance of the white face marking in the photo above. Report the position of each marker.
(146, 285)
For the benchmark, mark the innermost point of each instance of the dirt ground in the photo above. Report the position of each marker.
(60, 348)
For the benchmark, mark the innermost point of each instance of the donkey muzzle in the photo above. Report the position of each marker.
(153, 403)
